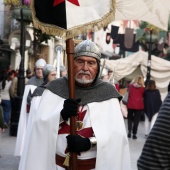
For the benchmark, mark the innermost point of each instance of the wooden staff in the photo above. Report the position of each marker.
(71, 81)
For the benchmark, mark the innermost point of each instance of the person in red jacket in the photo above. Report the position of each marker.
(135, 105)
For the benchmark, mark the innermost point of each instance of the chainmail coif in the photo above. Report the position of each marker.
(100, 91)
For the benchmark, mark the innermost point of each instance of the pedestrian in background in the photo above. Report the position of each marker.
(5, 96)
(63, 71)
(1, 118)
(113, 81)
(32, 84)
(2, 81)
(29, 74)
(49, 74)
(135, 105)
(152, 104)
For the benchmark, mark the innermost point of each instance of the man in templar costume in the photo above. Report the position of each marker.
(100, 142)
(49, 74)
(32, 84)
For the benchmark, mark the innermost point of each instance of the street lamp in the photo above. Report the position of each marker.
(151, 39)
(149, 58)
(21, 79)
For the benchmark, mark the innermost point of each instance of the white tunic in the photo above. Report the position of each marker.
(108, 126)
(22, 126)
(34, 106)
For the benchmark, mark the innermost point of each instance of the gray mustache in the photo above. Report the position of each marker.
(84, 72)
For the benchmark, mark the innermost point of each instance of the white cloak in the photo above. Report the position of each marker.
(22, 125)
(108, 126)
(34, 106)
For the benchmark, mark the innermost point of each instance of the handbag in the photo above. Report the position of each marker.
(125, 98)
(123, 109)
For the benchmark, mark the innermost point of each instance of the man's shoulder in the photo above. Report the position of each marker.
(59, 87)
(35, 81)
(56, 83)
(31, 80)
(38, 91)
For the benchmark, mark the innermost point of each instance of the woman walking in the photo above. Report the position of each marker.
(135, 105)
(152, 104)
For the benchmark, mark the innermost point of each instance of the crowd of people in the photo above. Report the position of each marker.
(142, 99)
(8, 92)
(6, 77)
(44, 140)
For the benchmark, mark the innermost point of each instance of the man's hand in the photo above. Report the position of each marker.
(78, 144)
(70, 108)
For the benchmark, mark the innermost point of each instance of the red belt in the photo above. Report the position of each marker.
(86, 164)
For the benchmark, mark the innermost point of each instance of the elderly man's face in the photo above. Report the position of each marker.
(85, 69)
(38, 72)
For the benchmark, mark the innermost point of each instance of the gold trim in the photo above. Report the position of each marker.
(71, 33)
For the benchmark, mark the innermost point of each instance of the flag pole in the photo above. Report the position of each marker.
(71, 81)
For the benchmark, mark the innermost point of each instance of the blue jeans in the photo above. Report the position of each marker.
(6, 105)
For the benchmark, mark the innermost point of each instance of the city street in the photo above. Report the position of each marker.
(10, 162)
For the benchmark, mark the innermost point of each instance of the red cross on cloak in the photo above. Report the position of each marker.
(75, 2)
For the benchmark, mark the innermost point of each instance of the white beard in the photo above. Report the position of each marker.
(83, 80)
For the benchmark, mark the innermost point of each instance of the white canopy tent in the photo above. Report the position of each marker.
(160, 69)
(155, 12)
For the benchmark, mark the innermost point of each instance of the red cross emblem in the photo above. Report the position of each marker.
(75, 2)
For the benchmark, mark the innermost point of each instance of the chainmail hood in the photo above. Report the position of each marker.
(35, 81)
(100, 91)
(38, 91)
